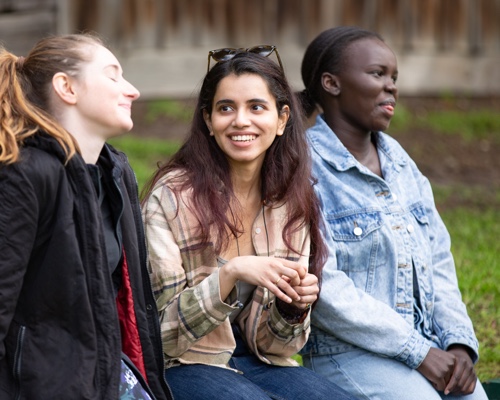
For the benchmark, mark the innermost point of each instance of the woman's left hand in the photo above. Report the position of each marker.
(308, 290)
(463, 380)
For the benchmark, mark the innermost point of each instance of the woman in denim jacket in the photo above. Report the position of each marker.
(390, 323)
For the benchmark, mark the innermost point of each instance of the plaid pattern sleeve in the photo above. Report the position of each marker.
(185, 283)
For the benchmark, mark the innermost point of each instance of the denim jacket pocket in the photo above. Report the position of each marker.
(418, 212)
(357, 238)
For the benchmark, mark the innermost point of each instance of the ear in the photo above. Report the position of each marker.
(208, 121)
(331, 83)
(63, 86)
(283, 119)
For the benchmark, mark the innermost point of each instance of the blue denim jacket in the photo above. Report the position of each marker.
(382, 233)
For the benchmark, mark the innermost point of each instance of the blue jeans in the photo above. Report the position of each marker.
(257, 381)
(369, 376)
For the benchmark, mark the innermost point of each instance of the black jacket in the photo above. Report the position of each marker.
(62, 330)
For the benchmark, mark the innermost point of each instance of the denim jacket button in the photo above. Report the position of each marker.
(358, 231)
(410, 228)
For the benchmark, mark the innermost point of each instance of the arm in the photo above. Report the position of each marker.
(185, 284)
(450, 319)
(18, 227)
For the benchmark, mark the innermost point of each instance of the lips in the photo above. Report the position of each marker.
(388, 106)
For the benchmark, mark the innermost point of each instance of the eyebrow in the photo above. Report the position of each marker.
(251, 101)
(113, 66)
(378, 65)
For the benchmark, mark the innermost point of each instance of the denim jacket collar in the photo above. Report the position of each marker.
(329, 147)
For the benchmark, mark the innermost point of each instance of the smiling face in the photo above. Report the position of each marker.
(104, 97)
(244, 119)
(365, 89)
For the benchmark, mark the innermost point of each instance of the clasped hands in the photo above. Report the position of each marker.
(451, 371)
(288, 280)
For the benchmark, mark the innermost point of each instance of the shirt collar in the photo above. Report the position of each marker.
(329, 147)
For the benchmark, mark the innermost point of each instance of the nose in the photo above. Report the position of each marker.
(241, 119)
(390, 86)
(131, 91)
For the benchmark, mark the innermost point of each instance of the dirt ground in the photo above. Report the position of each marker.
(444, 159)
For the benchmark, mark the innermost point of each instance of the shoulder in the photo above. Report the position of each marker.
(36, 178)
(36, 165)
(388, 143)
(169, 193)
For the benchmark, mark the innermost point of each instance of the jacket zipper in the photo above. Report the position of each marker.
(18, 360)
(133, 183)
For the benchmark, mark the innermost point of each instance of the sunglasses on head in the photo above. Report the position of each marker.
(228, 53)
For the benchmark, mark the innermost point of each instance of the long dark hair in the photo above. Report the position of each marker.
(325, 54)
(285, 175)
(25, 90)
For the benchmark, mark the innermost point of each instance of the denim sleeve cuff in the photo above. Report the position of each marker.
(465, 337)
(415, 350)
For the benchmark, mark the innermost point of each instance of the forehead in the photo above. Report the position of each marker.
(368, 51)
(245, 85)
(99, 58)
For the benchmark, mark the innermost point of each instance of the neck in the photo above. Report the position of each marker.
(90, 148)
(90, 144)
(246, 184)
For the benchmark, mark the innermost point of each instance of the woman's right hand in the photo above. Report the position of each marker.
(438, 367)
(276, 274)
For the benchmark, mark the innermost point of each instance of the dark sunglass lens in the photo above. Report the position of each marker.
(262, 50)
(222, 54)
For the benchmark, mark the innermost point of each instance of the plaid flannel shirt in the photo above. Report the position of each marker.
(194, 319)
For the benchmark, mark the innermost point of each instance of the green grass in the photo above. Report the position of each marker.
(145, 154)
(475, 245)
(470, 125)
(474, 224)
(168, 108)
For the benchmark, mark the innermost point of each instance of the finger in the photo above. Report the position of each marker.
(280, 271)
(472, 386)
(304, 303)
(461, 378)
(280, 294)
(439, 385)
(451, 387)
(300, 269)
(291, 277)
(307, 294)
(467, 386)
(309, 280)
(285, 287)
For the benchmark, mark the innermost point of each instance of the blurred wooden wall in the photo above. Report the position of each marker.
(443, 46)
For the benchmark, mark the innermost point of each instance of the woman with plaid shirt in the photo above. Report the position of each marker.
(235, 250)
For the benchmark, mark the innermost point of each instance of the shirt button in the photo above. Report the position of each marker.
(358, 231)
(394, 197)
(257, 230)
(410, 228)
